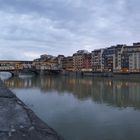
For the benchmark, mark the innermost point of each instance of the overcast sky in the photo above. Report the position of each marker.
(29, 28)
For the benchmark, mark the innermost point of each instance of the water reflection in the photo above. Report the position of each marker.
(114, 92)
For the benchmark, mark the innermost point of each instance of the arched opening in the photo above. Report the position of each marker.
(5, 75)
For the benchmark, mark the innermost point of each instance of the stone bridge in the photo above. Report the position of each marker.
(17, 67)
(16, 72)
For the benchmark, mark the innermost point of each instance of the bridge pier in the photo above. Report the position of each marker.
(14, 73)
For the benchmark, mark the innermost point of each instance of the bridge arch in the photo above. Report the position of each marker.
(13, 73)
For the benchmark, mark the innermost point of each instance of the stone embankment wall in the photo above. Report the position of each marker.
(18, 122)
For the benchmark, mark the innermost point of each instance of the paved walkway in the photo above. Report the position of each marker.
(18, 122)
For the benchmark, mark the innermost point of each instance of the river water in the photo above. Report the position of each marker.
(83, 108)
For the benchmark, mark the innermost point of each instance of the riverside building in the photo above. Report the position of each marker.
(117, 59)
(131, 58)
(67, 63)
(97, 61)
(82, 61)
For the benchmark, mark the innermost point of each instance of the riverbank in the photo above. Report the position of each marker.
(18, 122)
(102, 74)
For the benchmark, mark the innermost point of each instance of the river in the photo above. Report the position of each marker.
(83, 108)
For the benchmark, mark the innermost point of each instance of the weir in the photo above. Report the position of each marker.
(18, 122)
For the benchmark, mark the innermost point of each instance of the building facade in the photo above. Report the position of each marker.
(97, 61)
(134, 62)
(82, 61)
(108, 59)
(87, 62)
(131, 58)
(67, 63)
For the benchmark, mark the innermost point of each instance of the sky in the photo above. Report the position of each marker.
(29, 28)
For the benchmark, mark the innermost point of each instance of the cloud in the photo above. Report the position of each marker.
(34, 27)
